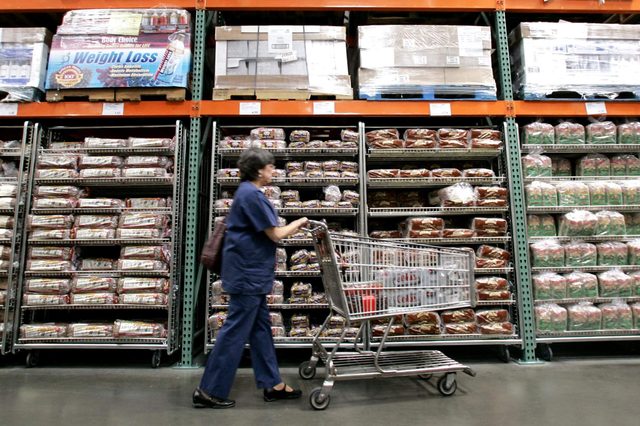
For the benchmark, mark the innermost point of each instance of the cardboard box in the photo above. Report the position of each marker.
(580, 31)
(389, 57)
(23, 61)
(421, 37)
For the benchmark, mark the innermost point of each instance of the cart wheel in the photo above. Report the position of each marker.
(442, 386)
(155, 359)
(33, 357)
(425, 376)
(545, 352)
(306, 371)
(316, 402)
(504, 354)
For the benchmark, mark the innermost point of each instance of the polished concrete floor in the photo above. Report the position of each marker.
(585, 391)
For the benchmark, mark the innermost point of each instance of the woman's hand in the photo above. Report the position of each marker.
(280, 232)
(299, 223)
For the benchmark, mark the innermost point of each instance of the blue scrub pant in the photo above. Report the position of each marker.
(248, 321)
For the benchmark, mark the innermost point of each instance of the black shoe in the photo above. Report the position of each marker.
(271, 395)
(202, 400)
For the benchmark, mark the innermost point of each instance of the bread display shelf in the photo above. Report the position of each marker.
(166, 182)
(461, 338)
(579, 149)
(293, 242)
(419, 154)
(584, 179)
(311, 182)
(495, 302)
(285, 306)
(594, 238)
(428, 182)
(8, 180)
(16, 152)
(484, 271)
(164, 274)
(85, 306)
(589, 299)
(5, 241)
(120, 151)
(4, 274)
(95, 343)
(452, 241)
(102, 242)
(586, 268)
(585, 336)
(296, 152)
(567, 209)
(306, 212)
(104, 210)
(6, 211)
(297, 273)
(434, 211)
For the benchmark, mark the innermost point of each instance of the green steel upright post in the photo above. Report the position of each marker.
(193, 184)
(518, 207)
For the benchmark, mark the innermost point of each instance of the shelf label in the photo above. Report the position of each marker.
(9, 109)
(596, 108)
(250, 108)
(324, 108)
(440, 110)
(113, 108)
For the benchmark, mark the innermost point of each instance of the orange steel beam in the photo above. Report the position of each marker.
(572, 109)
(387, 5)
(572, 6)
(64, 5)
(356, 108)
(94, 109)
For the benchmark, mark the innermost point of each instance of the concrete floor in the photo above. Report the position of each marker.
(565, 392)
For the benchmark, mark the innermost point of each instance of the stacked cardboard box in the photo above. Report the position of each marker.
(589, 59)
(121, 48)
(437, 59)
(23, 62)
(306, 59)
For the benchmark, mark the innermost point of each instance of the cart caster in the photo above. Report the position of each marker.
(447, 389)
(544, 352)
(33, 357)
(316, 402)
(425, 376)
(504, 354)
(306, 371)
(155, 359)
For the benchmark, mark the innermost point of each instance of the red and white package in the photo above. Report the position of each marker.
(93, 234)
(492, 283)
(58, 253)
(453, 138)
(148, 203)
(145, 252)
(489, 224)
(139, 233)
(492, 316)
(58, 191)
(458, 316)
(422, 318)
(90, 330)
(57, 174)
(424, 223)
(104, 173)
(145, 161)
(87, 284)
(458, 195)
(94, 299)
(493, 252)
(97, 264)
(348, 135)
(414, 173)
(143, 220)
(382, 134)
(151, 142)
(31, 299)
(494, 295)
(58, 161)
(48, 285)
(105, 143)
(420, 134)
(53, 221)
(96, 221)
(145, 172)
(49, 265)
(141, 265)
(54, 203)
(96, 203)
(123, 328)
(495, 192)
(491, 202)
(43, 331)
(457, 233)
(446, 173)
(143, 299)
(487, 263)
(424, 329)
(385, 234)
(461, 328)
(143, 285)
(50, 234)
(488, 173)
(496, 328)
(99, 161)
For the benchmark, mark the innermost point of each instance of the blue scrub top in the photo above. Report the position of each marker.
(249, 256)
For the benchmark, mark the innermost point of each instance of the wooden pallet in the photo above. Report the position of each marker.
(134, 94)
(274, 94)
(92, 95)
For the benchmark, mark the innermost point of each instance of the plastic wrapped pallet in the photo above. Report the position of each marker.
(301, 59)
(425, 59)
(588, 59)
(121, 48)
(23, 63)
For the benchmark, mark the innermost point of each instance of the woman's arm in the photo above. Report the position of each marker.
(279, 232)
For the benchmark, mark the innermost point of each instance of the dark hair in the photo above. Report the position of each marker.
(252, 160)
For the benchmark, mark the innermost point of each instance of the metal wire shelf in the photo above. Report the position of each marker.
(295, 152)
(581, 148)
(336, 212)
(413, 154)
(308, 182)
(587, 299)
(164, 274)
(566, 209)
(431, 211)
(428, 182)
(594, 238)
(92, 306)
(600, 268)
(122, 150)
(453, 241)
(164, 182)
(294, 274)
(285, 306)
(96, 242)
(579, 178)
(101, 210)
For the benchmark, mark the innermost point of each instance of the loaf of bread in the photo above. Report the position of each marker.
(146, 252)
(478, 172)
(537, 165)
(395, 330)
(573, 194)
(584, 316)
(541, 194)
(269, 144)
(99, 161)
(549, 285)
(31, 299)
(424, 329)
(453, 138)
(458, 316)
(50, 234)
(413, 134)
(151, 142)
(578, 223)
(414, 173)
(504, 328)
(491, 283)
(422, 318)
(348, 135)
(547, 254)
(489, 224)
(550, 318)
(569, 133)
(538, 134)
(635, 309)
(491, 252)
(143, 220)
(594, 165)
(96, 264)
(491, 192)
(267, 133)
(93, 299)
(458, 195)
(615, 283)
(420, 143)
(54, 203)
(424, 223)
(124, 328)
(581, 284)
(86, 284)
(107, 173)
(541, 226)
(612, 253)
(155, 299)
(382, 134)
(561, 167)
(47, 285)
(141, 265)
(49, 221)
(461, 328)
(457, 233)
(43, 331)
(489, 316)
(580, 254)
(142, 285)
(616, 316)
(629, 133)
(487, 263)
(601, 133)
(385, 234)
(39, 252)
(57, 174)
(57, 161)
(446, 173)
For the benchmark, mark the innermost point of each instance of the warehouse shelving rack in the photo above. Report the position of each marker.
(25, 135)
(198, 111)
(119, 187)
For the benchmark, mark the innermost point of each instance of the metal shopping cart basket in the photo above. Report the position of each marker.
(366, 280)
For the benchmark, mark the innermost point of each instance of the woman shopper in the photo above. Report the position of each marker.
(248, 271)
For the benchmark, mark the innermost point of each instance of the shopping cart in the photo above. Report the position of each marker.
(366, 280)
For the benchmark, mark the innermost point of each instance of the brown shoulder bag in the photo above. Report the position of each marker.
(211, 256)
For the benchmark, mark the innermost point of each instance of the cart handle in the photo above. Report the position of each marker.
(314, 226)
